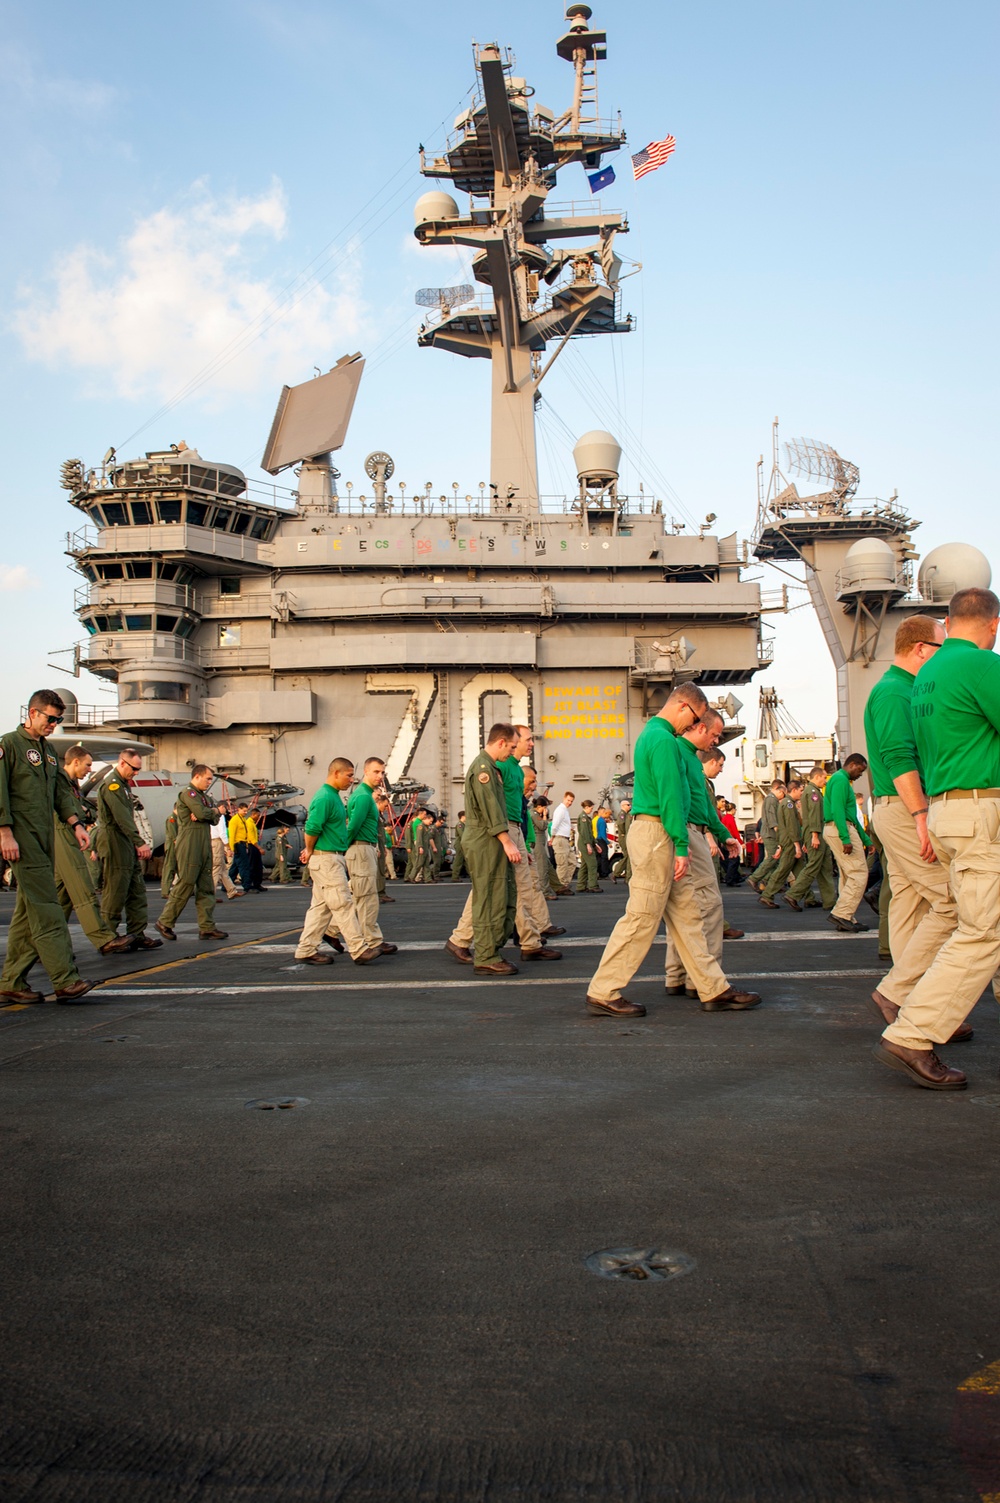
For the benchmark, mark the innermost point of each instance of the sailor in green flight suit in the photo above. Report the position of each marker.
(196, 814)
(74, 868)
(789, 851)
(586, 847)
(491, 856)
(169, 869)
(458, 859)
(122, 847)
(623, 866)
(282, 846)
(31, 790)
(818, 864)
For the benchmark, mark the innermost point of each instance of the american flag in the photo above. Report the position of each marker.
(652, 156)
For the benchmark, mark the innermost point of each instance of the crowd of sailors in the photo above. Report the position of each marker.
(932, 728)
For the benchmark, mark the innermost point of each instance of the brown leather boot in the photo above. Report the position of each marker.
(499, 967)
(617, 1007)
(460, 953)
(921, 1065)
(731, 1001)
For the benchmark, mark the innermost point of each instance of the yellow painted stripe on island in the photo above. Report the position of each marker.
(986, 1380)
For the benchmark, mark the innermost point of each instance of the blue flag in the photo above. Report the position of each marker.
(602, 179)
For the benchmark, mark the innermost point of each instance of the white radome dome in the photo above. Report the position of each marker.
(953, 567)
(598, 456)
(870, 561)
(430, 207)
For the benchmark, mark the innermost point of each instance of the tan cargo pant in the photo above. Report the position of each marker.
(362, 868)
(332, 906)
(965, 833)
(654, 896)
(562, 850)
(922, 914)
(853, 869)
(709, 899)
(532, 910)
(220, 869)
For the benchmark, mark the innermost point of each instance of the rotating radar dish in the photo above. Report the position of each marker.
(379, 461)
(444, 298)
(312, 418)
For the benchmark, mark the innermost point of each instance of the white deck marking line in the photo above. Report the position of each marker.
(590, 941)
(305, 989)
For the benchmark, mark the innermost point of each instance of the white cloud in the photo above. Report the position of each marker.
(17, 577)
(180, 293)
(41, 91)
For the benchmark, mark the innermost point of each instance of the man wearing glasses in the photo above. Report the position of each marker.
(31, 791)
(661, 888)
(922, 914)
(122, 847)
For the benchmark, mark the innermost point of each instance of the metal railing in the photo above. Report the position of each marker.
(434, 503)
(224, 607)
(110, 647)
(133, 592)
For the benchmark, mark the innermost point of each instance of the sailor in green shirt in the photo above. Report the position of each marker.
(332, 907)
(848, 840)
(956, 725)
(705, 830)
(362, 854)
(490, 854)
(658, 846)
(922, 914)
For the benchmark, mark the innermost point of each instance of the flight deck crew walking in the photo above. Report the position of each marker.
(458, 859)
(196, 814)
(622, 867)
(586, 845)
(362, 854)
(222, 856)
(531, 913)
(490, 853)
(332, 907)
(817, 865)
(562, 842)
(788, 852)
(768, 834)
(840, 812)
(384, 853)
(660, 888)
(704, 830)
(168, 871)
(956, 724)
(30, 792)
(922, 914)
(282, 847)
(74, 867)
(122, 846)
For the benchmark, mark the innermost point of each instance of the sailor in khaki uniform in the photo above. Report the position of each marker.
(842, 815)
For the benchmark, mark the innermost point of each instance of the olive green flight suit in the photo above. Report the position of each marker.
(769, 836)
(169, 871)
(818, 864)
(380, 857)
(74, 875)
(789, 835)
(196, 815)
(540, 824)
(458, 866)
(587, 880)
(412, 843)
(279, 872)
(31, 791)
(118, 842)
(623, 866)
(422, 853)
(440, 838)
(494, 891)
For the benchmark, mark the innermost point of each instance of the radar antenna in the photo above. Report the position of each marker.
(445, 298)
(818, 461)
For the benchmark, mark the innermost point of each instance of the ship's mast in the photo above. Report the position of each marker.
(508, 153)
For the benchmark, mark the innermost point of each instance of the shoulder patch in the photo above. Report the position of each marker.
(484, 777)
(1, 753)
(51, 760)
(113, 787)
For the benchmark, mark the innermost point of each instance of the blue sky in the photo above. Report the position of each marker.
(821, 246)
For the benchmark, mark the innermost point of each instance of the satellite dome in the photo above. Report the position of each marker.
(597, 455)
(432, 206)
(950, 568)
(869, 563)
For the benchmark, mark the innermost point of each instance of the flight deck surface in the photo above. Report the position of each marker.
(381, 1292)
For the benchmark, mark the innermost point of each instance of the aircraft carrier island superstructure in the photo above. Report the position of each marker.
(265, 638)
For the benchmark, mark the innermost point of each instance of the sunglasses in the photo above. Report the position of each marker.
(54, 719)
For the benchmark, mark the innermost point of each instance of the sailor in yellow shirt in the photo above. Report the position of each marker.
(244, 842)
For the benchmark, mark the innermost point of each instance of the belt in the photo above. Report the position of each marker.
(965, 793)
(364, 842)
(887, 798)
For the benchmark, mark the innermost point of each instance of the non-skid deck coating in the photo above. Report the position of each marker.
(382, 1294)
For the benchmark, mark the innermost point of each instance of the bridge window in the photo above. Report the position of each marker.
(155, 689)
(170, 511)
(229, 584)
(142, 514)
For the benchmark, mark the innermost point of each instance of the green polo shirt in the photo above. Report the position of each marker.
(660, 786)
(703, 811)
(841, 807)
(327, 821)
(892, 748)
(513, 788)
(362, 815)
(956, 717)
